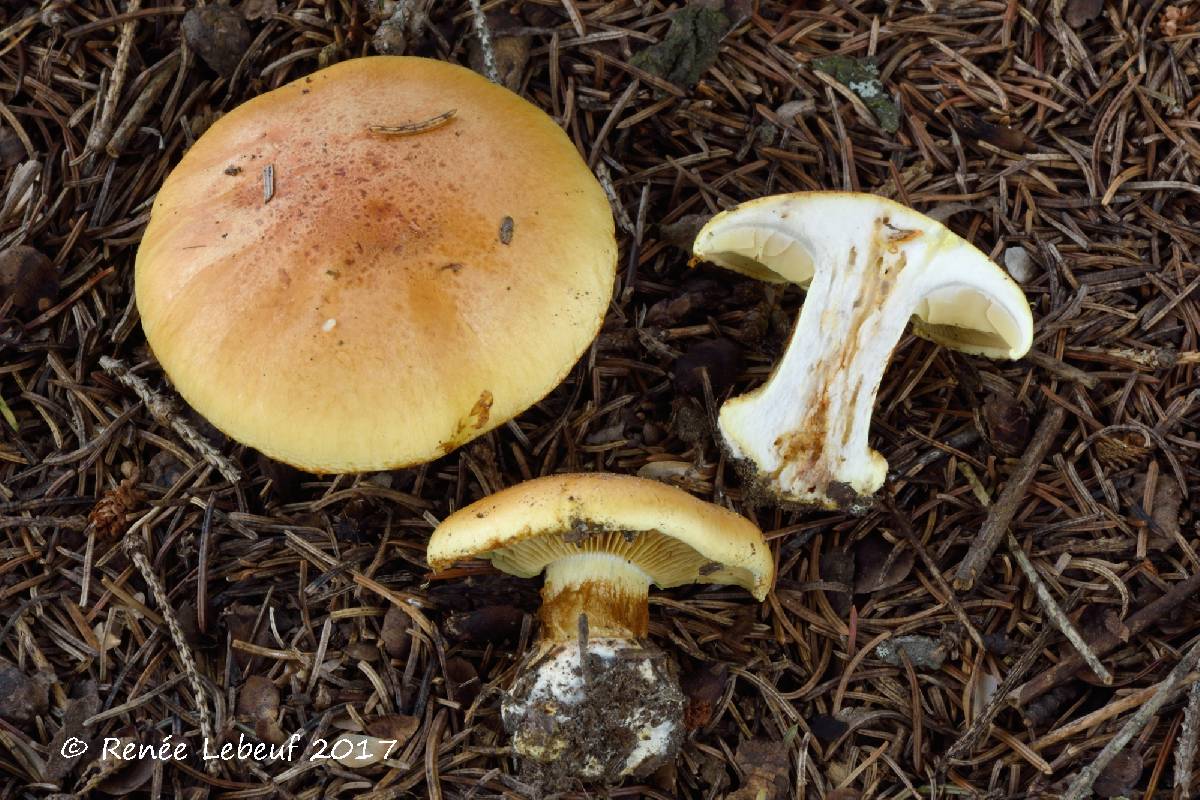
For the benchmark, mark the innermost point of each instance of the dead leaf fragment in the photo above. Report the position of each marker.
(259, 9)
(1007, 424)
(464, 680)
(400, 727)
(487, 624)
(258, 699)
(703, 688)
(767, 770)
(1164, 512)
(12, 151)
(219, 35)
(1081, 12)
(827, 728)
(397, 641)
(720, 358)
(1120, 777)
(511, 52)
(1004, 137)
(983, 687)
(838, 567)
(879, 564)
(84, 703)
(29, 278)
(22, 697)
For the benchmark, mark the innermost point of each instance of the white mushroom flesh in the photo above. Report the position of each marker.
(869, 265)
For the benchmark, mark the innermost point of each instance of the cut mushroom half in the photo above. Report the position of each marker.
(596, 700)
(869, 266)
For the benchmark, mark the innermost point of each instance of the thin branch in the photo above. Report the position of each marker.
(1002, 513)
(1055, 613)
(1081, 787)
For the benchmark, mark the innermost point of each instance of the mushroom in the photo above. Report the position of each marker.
(868, 265)
(372, 265)
(595, 699)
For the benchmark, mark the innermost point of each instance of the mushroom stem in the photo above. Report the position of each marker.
(610, 590)
(807, 427)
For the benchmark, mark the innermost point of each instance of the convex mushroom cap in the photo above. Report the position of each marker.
(372, 265)
(869, 265)
(596, 699)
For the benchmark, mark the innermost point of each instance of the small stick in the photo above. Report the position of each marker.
(98, 136)
(1185, 753)
(970, 738)
(1061, 369)
(1005, 508)
(485, 43)
(1081, 787)
(411, 128)
(164, 414)
(135, 549)
(1103, 714)
(1055, 613)
(1106, 641)
(133, 118)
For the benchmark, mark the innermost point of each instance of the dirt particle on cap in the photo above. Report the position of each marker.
(233, 170)
(506, 230)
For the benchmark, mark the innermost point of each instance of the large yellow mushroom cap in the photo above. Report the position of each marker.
(663, 531)
(396, 295)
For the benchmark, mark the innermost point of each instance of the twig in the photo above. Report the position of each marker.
(1076, 726)
(133, 117)
(411, 128)
(1105, 642)
(164, 413)
(98, 137)
(1061, 369)
(1005, 509)
(485, 43)
(1185, 753)
(1055, 613)
(970, 738)
(135, 549)
(1082, 785)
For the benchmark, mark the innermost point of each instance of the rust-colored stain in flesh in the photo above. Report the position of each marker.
(804, 448)
(610, 612)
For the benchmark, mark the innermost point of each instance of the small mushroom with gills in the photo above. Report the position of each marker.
(869, 265)
(596, 700)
